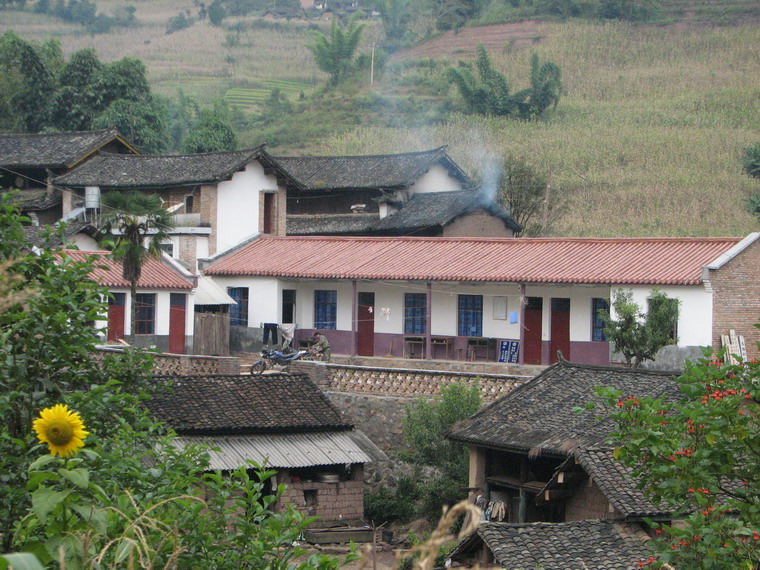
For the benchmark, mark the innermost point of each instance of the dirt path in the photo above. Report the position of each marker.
(463, 43)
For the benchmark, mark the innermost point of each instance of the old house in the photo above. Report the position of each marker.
(510, 300)
(281, 421)
(419, 193)
(29, 162)
(164, 302)
(549, 486)
(219, 198)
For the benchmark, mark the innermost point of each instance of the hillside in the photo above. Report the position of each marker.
(645, 141)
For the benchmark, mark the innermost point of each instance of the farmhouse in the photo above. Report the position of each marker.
(551, 491)
(218, 198)
(164, 301)
(512, 300)
(279, 421)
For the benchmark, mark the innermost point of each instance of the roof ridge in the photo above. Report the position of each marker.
(189, 154)
(61, 133)
(695, 239)
(379, 155)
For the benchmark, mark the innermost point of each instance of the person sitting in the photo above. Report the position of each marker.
(321, 347)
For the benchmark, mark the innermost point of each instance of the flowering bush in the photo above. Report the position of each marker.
(700, 457)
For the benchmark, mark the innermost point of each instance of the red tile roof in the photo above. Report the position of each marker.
(155, 273)
(650, 261)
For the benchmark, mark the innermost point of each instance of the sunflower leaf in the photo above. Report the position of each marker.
(79, 477)
(20, 561)
(96, 517)
(41, 462)
(45, 500)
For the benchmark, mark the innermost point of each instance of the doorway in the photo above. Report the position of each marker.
(560, 329)
(366, 324)
(116, 304)
(533, 330)
(177, 305)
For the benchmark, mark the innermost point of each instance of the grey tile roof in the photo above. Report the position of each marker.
(330, 224)
(580, 545)
(35, 199)
(422, 210)
(46, 236)
(369, 171)
(617, 483)
(122, 171)
(239, 404)
(428, 209)
(538, 415)
(52, 150)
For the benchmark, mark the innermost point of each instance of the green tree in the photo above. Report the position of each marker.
(751, 161)
(394, 14)
(489, 93)
(698, 457)
(522, 190)
(75, 102)
(216, 13)
(334, 54)
(211, 133)
(136, 225)
(639, 335)
(424, 432)
(141, 122)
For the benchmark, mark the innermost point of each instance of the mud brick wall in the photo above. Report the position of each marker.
(183, 364)
(335, 501)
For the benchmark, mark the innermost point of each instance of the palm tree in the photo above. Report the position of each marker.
(135, 225)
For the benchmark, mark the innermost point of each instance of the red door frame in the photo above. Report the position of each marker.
(116, 315)
(366, 324)
(177, 310)
(532, 329)
(560, 329)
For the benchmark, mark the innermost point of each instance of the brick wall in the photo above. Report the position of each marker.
(736, 298)
(477, 224)
(588, 502)
(184, 364)
(334, 501)
(208, 211)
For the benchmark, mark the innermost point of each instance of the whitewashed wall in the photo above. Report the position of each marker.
(163, 298)
(437, 179)
(237, 214)
(694, 315)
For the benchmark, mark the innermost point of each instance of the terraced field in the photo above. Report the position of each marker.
(252, 98)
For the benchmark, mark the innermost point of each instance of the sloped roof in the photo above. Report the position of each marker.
(108, 272)
(579, 545)
(152, 171)
(617, 483)
(330, 224)
(53, 150)
(367, 171)
(227, 404)
(35, 199)
(286, 450)
(611, 261)
(538, 415)
(209, 293)
(426, 209)
(46, 236)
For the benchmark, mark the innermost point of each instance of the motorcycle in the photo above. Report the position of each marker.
(276, 360)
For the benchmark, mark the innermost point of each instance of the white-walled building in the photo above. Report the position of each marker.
(517, 300)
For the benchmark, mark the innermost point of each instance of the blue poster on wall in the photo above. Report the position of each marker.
(509, 350)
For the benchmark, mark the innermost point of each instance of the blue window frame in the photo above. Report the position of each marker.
(145, 317)
(597, 324)
(415, 313)
(239, 312)
(325, 309)
(470, 315)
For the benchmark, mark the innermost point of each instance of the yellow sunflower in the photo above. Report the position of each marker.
(62, 429)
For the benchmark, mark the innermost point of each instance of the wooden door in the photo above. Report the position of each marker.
(532, 336)
(177, 306)
(116, 304)
(366, 324)
(560, 329)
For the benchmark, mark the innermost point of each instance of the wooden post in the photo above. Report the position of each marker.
(428, 319)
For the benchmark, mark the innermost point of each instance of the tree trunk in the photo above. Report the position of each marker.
(132, 312)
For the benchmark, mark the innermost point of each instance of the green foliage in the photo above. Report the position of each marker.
(490, 94)
(387, 505)
(699, 458)
(636, 334)
(216, 13)
(751, 161)
(179, 22)
(211, 133)
(427, 422)
(522, 190)
(141, 122)
(334, 54)
(630, 10)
